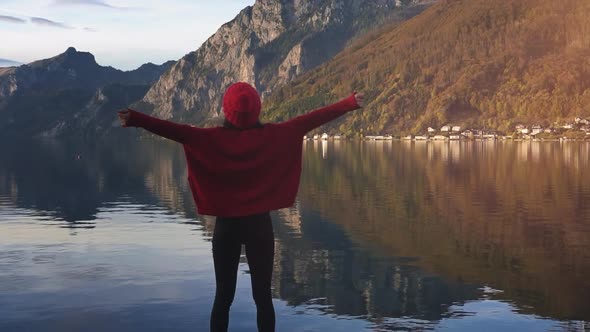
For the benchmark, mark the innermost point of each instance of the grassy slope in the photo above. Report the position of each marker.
(488, 63)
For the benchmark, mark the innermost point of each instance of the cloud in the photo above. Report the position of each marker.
(90, 29)
(11, 19)
(49, 23)
(99, 3)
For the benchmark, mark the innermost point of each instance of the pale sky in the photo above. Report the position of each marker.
(120, 33)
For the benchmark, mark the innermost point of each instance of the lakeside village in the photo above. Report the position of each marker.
(579, 130)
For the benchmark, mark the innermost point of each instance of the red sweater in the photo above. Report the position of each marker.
(243, 172)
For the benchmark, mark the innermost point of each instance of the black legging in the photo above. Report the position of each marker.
(256, 233)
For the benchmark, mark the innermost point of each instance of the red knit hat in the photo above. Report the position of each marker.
(241, 105)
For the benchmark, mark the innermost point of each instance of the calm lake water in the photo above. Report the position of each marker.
(481, 236)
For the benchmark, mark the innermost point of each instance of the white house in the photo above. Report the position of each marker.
(431, 130)
(445, 129)
(456, 129)
(536, 130)
(524, 131)
(325, 137)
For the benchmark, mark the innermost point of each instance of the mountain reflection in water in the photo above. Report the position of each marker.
(384, 235)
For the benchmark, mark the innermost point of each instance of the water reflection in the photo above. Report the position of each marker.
(511, 215)
(396, 235)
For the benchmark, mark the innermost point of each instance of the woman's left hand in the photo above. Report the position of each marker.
(360, 99)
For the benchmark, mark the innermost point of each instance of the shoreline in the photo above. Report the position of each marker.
(540, 140)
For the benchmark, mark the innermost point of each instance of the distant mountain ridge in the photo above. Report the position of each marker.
(73, 69)
(477, 63)
(9, 63)
(50, 97)
(267, 44)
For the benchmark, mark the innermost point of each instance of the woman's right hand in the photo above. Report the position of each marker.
(124, 117)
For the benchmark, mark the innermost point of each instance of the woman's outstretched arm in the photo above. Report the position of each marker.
(180, 133)
(318, 117)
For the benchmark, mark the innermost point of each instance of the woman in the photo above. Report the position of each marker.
(238, 173)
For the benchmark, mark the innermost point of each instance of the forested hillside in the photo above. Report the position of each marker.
(485, 63)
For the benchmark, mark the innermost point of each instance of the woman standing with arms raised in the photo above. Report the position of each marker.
(239, 173)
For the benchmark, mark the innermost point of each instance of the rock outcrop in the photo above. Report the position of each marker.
(267, 45)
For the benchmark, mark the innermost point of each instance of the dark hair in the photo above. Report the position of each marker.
(229, 125)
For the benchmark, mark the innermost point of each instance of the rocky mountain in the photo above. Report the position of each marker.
(481, 63)
(267, 44)
(60, 95)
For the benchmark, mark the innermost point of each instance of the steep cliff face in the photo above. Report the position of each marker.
(267, 45)
(60, 95)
